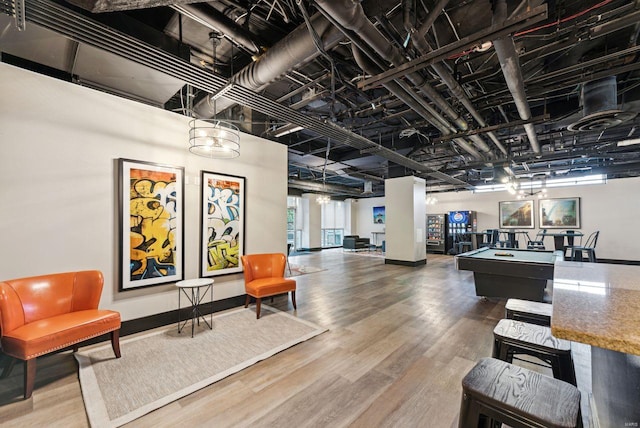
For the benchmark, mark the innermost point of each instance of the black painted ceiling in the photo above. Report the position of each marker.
(444, 109)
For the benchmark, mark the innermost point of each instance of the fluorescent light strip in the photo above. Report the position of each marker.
(578, 181)
(558, 182)
(628, 142)
(287, 130)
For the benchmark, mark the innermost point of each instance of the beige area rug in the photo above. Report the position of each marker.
(297, 270)
(162, 366)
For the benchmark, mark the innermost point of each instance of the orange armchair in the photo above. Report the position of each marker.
(264, 277)
(42, 314)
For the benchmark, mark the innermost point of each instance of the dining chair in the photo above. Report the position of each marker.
(490, 238)
(572, 237)
(538, 242)
(577, 252)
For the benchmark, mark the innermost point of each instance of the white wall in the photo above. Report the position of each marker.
(362, 211)
(58, 148)
(611, 208)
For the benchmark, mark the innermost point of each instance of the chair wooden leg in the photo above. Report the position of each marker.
(29, 377)
(258, 301)
(293, 299)
(75, 348)
(7, 366)
(115, 342)
(246, 301)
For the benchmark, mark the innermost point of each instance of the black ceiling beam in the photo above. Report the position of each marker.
(513, 124)
(493, 32)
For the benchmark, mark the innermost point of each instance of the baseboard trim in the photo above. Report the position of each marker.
(166, 318)
(620, 262)
(150, 322)
(405, 262)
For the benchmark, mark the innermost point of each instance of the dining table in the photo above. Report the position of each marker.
(559, 238)
(511, 237)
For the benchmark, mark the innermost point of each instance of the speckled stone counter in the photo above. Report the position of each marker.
(599, 304)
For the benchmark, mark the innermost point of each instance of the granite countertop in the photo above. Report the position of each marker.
(597, 304)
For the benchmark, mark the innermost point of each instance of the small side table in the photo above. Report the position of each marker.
(195, 298)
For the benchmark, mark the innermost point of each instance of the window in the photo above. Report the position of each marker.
(333, 224)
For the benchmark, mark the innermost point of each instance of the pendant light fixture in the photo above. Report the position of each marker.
(214, 138)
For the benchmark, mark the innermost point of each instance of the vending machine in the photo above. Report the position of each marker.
(460, 225)
(437, 232)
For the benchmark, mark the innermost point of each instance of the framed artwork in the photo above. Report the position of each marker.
(516, 214)
(222, 224)
(560, 213)
(378, 215)
(151, 223)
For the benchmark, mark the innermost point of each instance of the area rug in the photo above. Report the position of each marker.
(162, 366)
(297, 270)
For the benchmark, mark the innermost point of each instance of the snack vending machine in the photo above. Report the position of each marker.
(460, 225)
(436, 233)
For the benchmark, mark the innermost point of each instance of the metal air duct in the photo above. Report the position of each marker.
(510, 64)
(599, 99)
(421, 43)
(213, 19)
(350, 15)
(295, 49)
(397, 90)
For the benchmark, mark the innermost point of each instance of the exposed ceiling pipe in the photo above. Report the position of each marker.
(78, 27)
(510, 64)
(217, 21)
(423, 46)
(295, 49)
(392, 86)
(351, 16)
(323, 187)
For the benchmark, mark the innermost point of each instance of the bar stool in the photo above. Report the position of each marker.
(518, 397)
(528, 311)
(516, 337)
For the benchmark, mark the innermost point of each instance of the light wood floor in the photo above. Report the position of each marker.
(400, 340)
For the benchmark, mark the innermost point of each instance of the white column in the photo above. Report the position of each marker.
(405, 211)
(351, 216)
(312, 230)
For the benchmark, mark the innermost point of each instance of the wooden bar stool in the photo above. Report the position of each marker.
(521, 398)
(528, 311)
(516, 337)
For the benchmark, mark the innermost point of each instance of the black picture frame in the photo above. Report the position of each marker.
(151, 224)
(222, 223)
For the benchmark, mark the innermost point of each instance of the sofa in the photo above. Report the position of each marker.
(354, 242)
(43, 314)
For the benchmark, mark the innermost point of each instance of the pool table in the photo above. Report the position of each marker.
(502, 272)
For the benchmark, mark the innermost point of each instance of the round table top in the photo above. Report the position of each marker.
(197, 282)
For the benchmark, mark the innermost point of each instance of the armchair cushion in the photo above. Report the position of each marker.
(265, 287)
(48, 335)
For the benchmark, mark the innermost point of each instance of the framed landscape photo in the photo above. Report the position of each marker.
(516, 214)
(222, 224)
(560, 213)
(151, 223)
